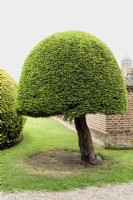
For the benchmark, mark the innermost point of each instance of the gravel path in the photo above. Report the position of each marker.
(109, 192)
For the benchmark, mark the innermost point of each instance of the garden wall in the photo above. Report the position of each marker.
(114, 131)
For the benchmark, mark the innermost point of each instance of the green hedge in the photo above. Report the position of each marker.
(11, 123)
(71, 73)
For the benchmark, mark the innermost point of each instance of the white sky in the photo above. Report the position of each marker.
(24, 23)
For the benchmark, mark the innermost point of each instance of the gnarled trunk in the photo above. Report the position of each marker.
(85, 142)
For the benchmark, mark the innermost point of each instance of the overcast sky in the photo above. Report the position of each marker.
(24, 23)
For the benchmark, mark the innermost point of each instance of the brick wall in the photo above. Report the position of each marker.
(97, 125)
(114, 131)
(120, 127)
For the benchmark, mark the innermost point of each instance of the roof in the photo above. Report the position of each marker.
(126, 58)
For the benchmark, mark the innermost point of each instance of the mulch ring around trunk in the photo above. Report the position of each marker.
(59, 161)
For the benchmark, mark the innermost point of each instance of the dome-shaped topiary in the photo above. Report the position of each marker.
(11, 123)
(71, 73)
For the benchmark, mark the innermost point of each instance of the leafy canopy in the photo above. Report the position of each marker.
(71, 73)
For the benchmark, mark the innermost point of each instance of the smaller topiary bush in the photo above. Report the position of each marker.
(11, 123)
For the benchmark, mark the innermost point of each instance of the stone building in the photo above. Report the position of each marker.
(116, 131)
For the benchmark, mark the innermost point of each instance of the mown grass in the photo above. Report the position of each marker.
(47, 134)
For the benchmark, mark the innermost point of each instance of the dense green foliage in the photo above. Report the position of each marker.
(71, 73)
(17, 175)
(11, 123)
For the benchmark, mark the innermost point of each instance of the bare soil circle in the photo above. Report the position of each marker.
(58, 161)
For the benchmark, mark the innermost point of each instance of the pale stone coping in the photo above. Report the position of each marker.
(128, 81)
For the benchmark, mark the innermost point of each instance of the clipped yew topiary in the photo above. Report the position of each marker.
(72, 73)
(11, 122)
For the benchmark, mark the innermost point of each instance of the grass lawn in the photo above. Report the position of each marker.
(45, 134)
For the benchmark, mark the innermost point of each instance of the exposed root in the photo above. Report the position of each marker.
(93, 161)
(96, 161)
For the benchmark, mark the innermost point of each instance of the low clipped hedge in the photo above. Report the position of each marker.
(71, 73)
(11, 122)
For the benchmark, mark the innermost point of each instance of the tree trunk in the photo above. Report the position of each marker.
(85, 142)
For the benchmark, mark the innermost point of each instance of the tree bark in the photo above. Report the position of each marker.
(85, 142)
